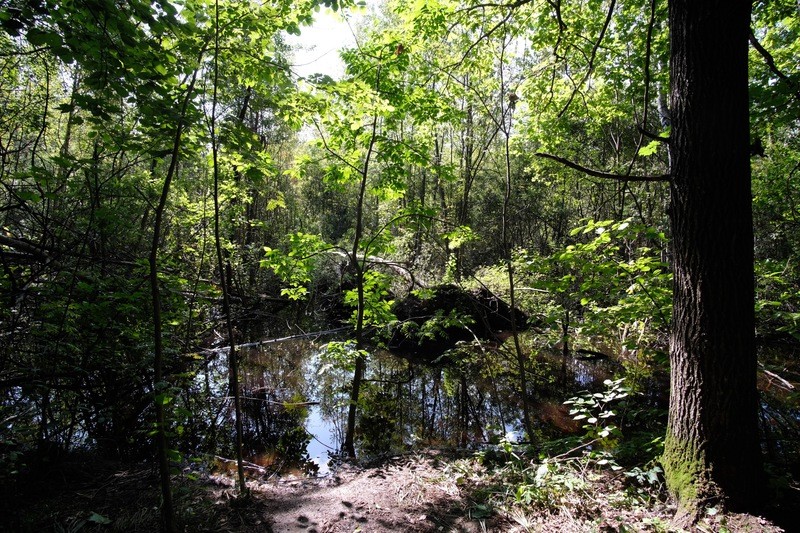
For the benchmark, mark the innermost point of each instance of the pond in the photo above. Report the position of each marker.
(295, 396)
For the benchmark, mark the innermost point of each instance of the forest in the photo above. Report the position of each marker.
(547, 251)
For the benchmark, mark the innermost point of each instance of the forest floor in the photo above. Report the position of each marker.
(419, 492)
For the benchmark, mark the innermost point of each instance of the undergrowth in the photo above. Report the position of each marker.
(579, 478)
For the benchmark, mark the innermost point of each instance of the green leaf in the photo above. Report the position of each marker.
(164, 399)
(480, 511)
(460, 236)
(99, 519)
(28, 196)
(37, 37)
(277, 203)
(649, 149)
(174, 456)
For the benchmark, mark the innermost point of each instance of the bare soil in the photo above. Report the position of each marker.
(421, 492)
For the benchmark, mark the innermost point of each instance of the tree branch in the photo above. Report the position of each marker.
(510, 5)
(770, 61)
(265, 342)
(485, 35)
(592, 57)
(652, 136)
(604, 175)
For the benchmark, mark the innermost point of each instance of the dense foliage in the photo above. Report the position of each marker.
(516, 146)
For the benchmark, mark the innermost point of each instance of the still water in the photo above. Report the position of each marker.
(295, 395)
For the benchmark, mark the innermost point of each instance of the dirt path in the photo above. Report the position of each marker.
(427, 491)
(405, 493)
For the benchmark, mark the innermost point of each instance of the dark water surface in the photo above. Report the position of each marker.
(295, 395)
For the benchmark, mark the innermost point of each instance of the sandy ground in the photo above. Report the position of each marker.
(404, 493)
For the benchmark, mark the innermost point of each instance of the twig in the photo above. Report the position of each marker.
(592, 57)
(276, 402)
(567, 453)
(247, 464)
(786, 384)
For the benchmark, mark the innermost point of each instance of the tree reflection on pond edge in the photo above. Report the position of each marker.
(294, 398)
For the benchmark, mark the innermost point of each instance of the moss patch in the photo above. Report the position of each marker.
(685, 474)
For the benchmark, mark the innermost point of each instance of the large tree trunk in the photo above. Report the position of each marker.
(711, 453)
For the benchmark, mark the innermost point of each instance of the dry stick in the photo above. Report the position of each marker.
(265, 342)
(781, 381)
(275, 402)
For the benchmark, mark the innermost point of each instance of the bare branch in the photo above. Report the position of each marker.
(770, 61)
(486, 35)
(265, 342)
(592, 57)
(510, 5)
(604, 175)
(772, 377)
(652, 136)
(331, 151)
(26, 247)
(648, 53)
(556, 5)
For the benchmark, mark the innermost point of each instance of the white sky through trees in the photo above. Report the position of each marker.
(317, 48)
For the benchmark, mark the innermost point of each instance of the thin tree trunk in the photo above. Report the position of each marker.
(507, 252)
(463, 411)
(224, 273)
(167, 511)
(359, 267)
(564, 347)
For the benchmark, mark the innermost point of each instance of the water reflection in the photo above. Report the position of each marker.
(294, 399)
(323, 445)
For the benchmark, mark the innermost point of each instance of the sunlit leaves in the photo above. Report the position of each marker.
(377, 305)
(460, 236)
(38, 37)
(295, 264)
(594, 411)
(339, 354)
(616, 278)
(425, 18)
(777, 297)
(586, 97)
(775, 88)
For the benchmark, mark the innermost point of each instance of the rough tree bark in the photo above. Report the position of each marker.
(711, 453)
